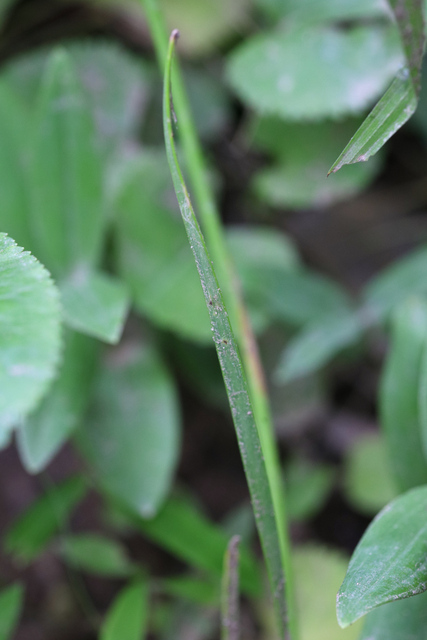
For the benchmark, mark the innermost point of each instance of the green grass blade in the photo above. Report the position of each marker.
(233, 373)
(400, 101)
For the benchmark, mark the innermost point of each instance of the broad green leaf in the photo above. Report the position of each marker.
(11, 601)
(29, 332)
(368, 480)
(318, 573)
(394, 284)
(209, 101)
(205, 25)
(96, 304)
(262, 483)
(32, 532)
(307, 488)
(15, 123)
(302, 155)
(128, 615)
(318, 343)
(67, 199)
(153, 256)
(42, 434)
(403, 619)
(230, 609)
(315, 11)
(314, 73)
(192, 589)
(401, 99)
(399, 400)
(93, 553)
(390, 561)
(131, 437)
(422, 398)
(183, 531)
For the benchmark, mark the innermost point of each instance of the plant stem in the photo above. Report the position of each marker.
(232, 293)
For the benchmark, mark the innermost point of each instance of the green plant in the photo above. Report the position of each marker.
(100, 214)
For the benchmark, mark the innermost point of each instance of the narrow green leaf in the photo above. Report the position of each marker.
(401, 99)
(394, 284)
(230, 623)
(404, 619)
(193, 589)
(128, 615)
(399, 408)
(131, 438)
(29, 536)
(43, 433)
(233, 373)
(390, 561)
(96, 554)
(310, 73)
(95, 304)
(29, 332)
(181, 529)
(318, 343)
(67, 214)
(11, 601)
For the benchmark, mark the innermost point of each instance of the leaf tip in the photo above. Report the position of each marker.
(175, 35)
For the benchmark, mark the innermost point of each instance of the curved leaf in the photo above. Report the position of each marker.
(29, 332)
(128, 615)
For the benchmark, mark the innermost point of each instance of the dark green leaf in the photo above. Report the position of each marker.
(11, 601)
(29, 332)
(67, 198)
(193, 589)
(400, 101)
(390, 562)
(132, 435)
(96, 554)
(34, 529)
(313, 73)
(42, 434)
(401, 620)
(184, 531)
(128, 615)
(399, 408)
(96, 304)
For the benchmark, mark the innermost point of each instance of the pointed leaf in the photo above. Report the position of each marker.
(128, 615)
(96, 554)
(11, 601)
(34, 529)
(43, 433)
(390, 562)
(401, 620)
(401, 99)
(399, 408)
(132, 435)
(66, 181)
(29, 332)
(95, 304)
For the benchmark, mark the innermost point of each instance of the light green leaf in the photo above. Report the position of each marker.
(315, 11)
(399, 389)
(403, 278)
(67, 198)
(318, 343)
(95, 303)
(42, 434)
(302, 152)
(153, 255)
(307, 488)
(183, 531)
(131, 437)
(401, 99)
(368, 482)
(403, 619)
(314, 73)
(11, 601)
(318, 573)
(128, 615)
(96, 554)
(29, 332)
(390, 562)
(32, 532)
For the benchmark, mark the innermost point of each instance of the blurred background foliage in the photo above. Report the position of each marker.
(136, 484)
